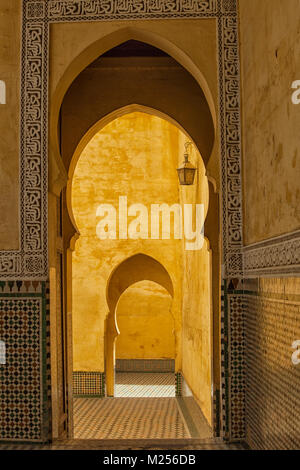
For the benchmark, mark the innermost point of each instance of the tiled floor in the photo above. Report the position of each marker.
(178, 444)
(137, 384)
(144, 415)
(144, 407)
(128, 418)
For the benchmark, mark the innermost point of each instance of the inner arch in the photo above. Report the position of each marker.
(139, 267)
(160, 80)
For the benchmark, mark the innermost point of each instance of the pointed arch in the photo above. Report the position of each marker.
(97, 127)
(139, 267)
(98, 48)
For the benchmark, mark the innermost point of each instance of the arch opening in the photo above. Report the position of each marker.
(101, 125)
(172, 76)
(146, 341)
(94, 145)
(130, 272)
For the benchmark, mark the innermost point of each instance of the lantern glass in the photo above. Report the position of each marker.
(186, 176)
(186, 172)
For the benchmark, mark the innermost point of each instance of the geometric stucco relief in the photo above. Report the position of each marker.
(277, 256)
(30, 262)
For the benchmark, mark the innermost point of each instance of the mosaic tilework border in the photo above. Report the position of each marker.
(88, 384)
(217, 414)
(224, 396)
(24, 392)
(145, 365)
(237, 380)
(233, 379)
(178, 384)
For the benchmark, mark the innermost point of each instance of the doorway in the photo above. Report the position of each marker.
(145, 347)
(136, 155)
(155, 143)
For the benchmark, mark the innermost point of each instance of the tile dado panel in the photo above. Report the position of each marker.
(233, 380)
(145, 365)
(89, 384)
(24, 389)
(272, 324)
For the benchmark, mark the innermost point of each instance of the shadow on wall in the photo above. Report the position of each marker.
(145, 322)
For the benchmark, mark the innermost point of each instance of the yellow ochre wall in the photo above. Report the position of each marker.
(137, 155)
(145, 322)
(68, 57)
(270, 48)
(10, 36)
(196, 305)
(134, 156)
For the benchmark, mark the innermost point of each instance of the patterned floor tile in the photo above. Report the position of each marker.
(136, 384)
(128, 418)
(144, 415)
(178, 444)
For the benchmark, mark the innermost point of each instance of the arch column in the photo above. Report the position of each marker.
(111, 334)
(212, 231)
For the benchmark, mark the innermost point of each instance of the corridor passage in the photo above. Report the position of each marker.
(145, 407)
(137, 384)
(128, 418)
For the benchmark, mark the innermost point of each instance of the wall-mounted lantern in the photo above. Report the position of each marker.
(186, 172)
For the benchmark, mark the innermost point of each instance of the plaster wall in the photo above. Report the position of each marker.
(146, 323)
(196, 305)
(10, 44)
(270, 48)
(134, 150)
(134, 156)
